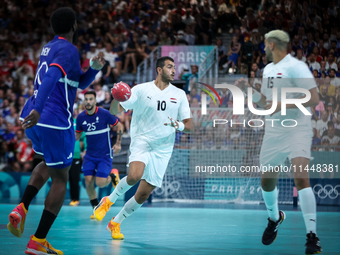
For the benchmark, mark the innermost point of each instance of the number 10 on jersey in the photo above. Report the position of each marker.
(161, 105)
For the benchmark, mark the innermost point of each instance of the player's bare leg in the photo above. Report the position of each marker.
(270, 197)
(136, 170)
(91, 191)
(307, 203)
(89, 184)
(17, 217)
(143, 192)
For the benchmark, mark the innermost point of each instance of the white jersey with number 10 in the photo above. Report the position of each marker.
(151, 109)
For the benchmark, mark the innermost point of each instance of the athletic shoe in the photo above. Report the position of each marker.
(102, 208)
(313, 245)
(74, 203)
(115, 177)
(114, 229)
(38, 246)
(17, 220)
(92, 217)
(270, 233)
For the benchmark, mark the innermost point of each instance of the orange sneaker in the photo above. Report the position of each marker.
(74, 203)
(17, 220)
(102, 208)
(114, 229)
(38, 246)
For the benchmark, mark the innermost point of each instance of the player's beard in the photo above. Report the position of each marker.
(89, 107)
(269, 54)
(166, 78)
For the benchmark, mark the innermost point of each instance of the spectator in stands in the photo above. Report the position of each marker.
(263, 62)
(164, 39)
(233, 54)
(330, 64)
(193, 94)
(190, 78)
(337, 74)
(316, 140)
(321, 125)
(330, 135)
(329, 86)
(8, 135)
(93, 51)
(10, 118)
(316, 51)
(222, 53)
(188, 19)
(114, 61)
(226, 15)
(313, 64)
(179, 39)
(335, 81)
(24, 151)
(323, 50)
(107, 101)
(323, 69)
(24, 73)
(134, 50)
(300, 56)
(5, 107)
(256, 70)
(323, 95)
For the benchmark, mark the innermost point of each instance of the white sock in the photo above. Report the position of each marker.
(120, 189)
(308, 208)
(270, 199)
(129, 208)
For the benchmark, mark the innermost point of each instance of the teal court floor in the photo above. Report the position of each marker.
(173, 229)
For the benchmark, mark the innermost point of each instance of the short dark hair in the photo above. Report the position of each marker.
(330, 124)
(91, 92)
(62, 20)
(161, 62)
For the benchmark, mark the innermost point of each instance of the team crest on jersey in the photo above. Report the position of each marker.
(97, 119)
(173, 100)
(84, 123)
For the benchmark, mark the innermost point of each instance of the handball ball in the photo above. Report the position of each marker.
(121, 91)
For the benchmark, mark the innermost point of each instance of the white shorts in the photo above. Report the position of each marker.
(277, 147)
(155, 161)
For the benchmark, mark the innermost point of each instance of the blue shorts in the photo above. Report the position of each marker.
(57, 146)
(102, 165)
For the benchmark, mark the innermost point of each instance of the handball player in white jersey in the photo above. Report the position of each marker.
(159, 109)
(280, 142)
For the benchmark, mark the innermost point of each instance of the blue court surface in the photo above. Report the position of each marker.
(170, 228)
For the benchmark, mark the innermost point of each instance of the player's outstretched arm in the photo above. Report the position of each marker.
(96, 64)
(258, 97)
(185, 126)
(115, 107)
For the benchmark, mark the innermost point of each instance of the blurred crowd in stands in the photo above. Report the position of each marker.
(125, 32)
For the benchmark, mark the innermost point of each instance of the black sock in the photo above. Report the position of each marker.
(45, 224)
(94, 202)
(29, 194)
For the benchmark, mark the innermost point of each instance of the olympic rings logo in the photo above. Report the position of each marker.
(169, 187)
(327, 191)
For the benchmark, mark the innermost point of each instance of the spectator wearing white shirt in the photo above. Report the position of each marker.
(335, 81)
(188, 19)
(299, 55)
(312, 62)
(321, 124)
(330, 64)
(93, 51)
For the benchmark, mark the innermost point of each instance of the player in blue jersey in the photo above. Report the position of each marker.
(97, 164)
(47, 118)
